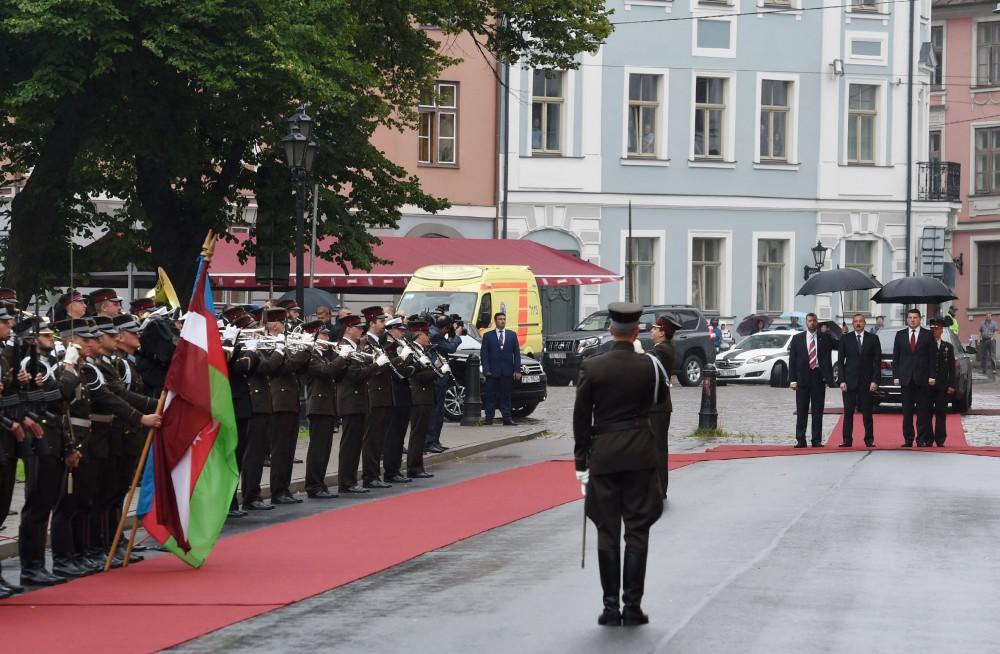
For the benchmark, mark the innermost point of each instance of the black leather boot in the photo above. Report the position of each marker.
(66, 568)
(37, 575)
(634, 581)
(609, 563)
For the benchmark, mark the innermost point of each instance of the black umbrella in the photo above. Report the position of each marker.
(312, 298)
(748, 324)
(834, 329)
(837, 280)
(914, 290)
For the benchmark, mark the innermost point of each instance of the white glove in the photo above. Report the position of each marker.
(60, 349)
(230, 333)
(72, 356)
(583, 477)
(405, 352)
(382, 360)
(446, 368)
(424, 359)
(250, 346)
(344, 351)
(280, 348)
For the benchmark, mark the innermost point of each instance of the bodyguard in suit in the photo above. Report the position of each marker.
(810, 371)
(859, 361)
(662, 333)
(914, 359)
(322, 410)
(501, 357)
(617, 461)
(943, 391)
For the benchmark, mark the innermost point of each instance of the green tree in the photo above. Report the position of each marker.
(177, 107)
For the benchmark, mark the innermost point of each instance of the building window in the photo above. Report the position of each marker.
(770, 275)
(987, 160)
(643, 110)
(706, 264)
(860, 255)
(774, 111)
(643, 266)
(988, 54)
(937, 45)
(437, 136)
(864, 5)
(546, 111)
(777, 3)
(934, 145)
(709, 117)
(988, 274)
(862, 115)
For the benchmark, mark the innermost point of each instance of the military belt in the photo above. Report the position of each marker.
(96, 417)
(79, 422)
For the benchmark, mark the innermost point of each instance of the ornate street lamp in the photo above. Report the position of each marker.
(300, 153)
(819, 258)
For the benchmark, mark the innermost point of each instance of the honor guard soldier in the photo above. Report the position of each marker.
(11, 433)
(380, 397)
(321, 408)
(943, 391)
(45, 468)
(617, 461)
(352, 369)
(399, 419)
(259, 427)
(662, 333)
(285, 410)
(105, 302)
(422, 398)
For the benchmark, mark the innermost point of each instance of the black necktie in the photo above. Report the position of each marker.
(859, 341)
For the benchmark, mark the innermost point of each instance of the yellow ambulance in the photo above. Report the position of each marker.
(478, 292)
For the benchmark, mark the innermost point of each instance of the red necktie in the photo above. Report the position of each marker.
(913, 340)
(813, 359)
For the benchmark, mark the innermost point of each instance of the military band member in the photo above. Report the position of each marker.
(9, 437)
(943, 391)
(71, 304)
(422, 398)
(240, 363)
(141, 307)
(105, 302)
(293, 313)
(352, 404)
(259, 426)
(399, 419)
(662, 333)
(617, 461)
(380, 398)
(321, 407)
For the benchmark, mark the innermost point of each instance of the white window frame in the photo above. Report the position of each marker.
(866, 60)
(435, 111)
(790, 8)
(562, 102)
(725, 269)
(788, 294)
(660, 158)
(878, 245)
(792, 147)
(659, 272)
(881, 131)
(944, 55)
(667, 5)
(729, 124)
(974, 242)
(971, 181)
(882, 10)
(724, 53)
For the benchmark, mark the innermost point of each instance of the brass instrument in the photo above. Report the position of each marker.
(374, 345)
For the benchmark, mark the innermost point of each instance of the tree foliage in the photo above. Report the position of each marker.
(177, 108)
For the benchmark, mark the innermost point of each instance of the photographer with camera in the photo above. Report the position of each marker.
(446, 337)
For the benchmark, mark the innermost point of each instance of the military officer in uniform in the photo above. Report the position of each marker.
(321, 406)
(105, 302)
(351, 375)
(943, 391)
(617, 461)
(662, 333)
(399, 419)
(422, 399)
(142, 307)
(292, 313)
(380, 402)
(10, 435)
(241, 364)
(69, 305)
(259, 425)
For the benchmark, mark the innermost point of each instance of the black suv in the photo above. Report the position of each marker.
(692, 343)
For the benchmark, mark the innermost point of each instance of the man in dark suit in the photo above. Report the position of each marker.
(858, 366)
(914, 358)
(810, 370)
(501, 357)
(945, 378)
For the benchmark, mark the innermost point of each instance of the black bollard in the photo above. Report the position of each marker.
(473, 408)
(708, 417)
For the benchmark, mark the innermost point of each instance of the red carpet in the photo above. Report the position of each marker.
(162, 602)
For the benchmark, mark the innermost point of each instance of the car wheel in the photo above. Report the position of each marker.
(691, 371)
(779, 376)
(454, 402)
(524, 410)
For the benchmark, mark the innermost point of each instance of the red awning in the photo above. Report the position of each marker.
(551, 267)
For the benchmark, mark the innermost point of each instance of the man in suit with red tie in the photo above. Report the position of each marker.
(914, 358)
(858, 363)
(810, 370)
(501, 357)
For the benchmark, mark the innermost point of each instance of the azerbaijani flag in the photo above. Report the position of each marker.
(191, 472)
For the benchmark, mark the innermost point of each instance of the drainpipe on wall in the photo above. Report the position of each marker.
(909, 144)
(506, 148)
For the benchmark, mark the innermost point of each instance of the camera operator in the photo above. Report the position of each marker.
(446, 337)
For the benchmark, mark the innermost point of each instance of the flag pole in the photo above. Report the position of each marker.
(207, 250)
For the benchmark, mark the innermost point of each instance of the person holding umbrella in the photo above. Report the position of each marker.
(914, 360)
(810, 371)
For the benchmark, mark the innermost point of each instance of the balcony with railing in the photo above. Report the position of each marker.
(939, 180)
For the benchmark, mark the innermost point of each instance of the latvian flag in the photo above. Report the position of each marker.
(191, 473)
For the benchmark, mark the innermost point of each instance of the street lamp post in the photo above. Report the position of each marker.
(300, 153)
(819, 258)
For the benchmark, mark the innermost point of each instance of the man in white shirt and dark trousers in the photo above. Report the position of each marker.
(810, 370)
(501, 357)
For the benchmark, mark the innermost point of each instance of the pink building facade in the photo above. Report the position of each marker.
(965, 128)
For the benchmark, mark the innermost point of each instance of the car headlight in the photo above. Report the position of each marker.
(587, 342)
(760, 358)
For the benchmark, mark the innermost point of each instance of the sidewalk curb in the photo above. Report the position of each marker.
(8, 548)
